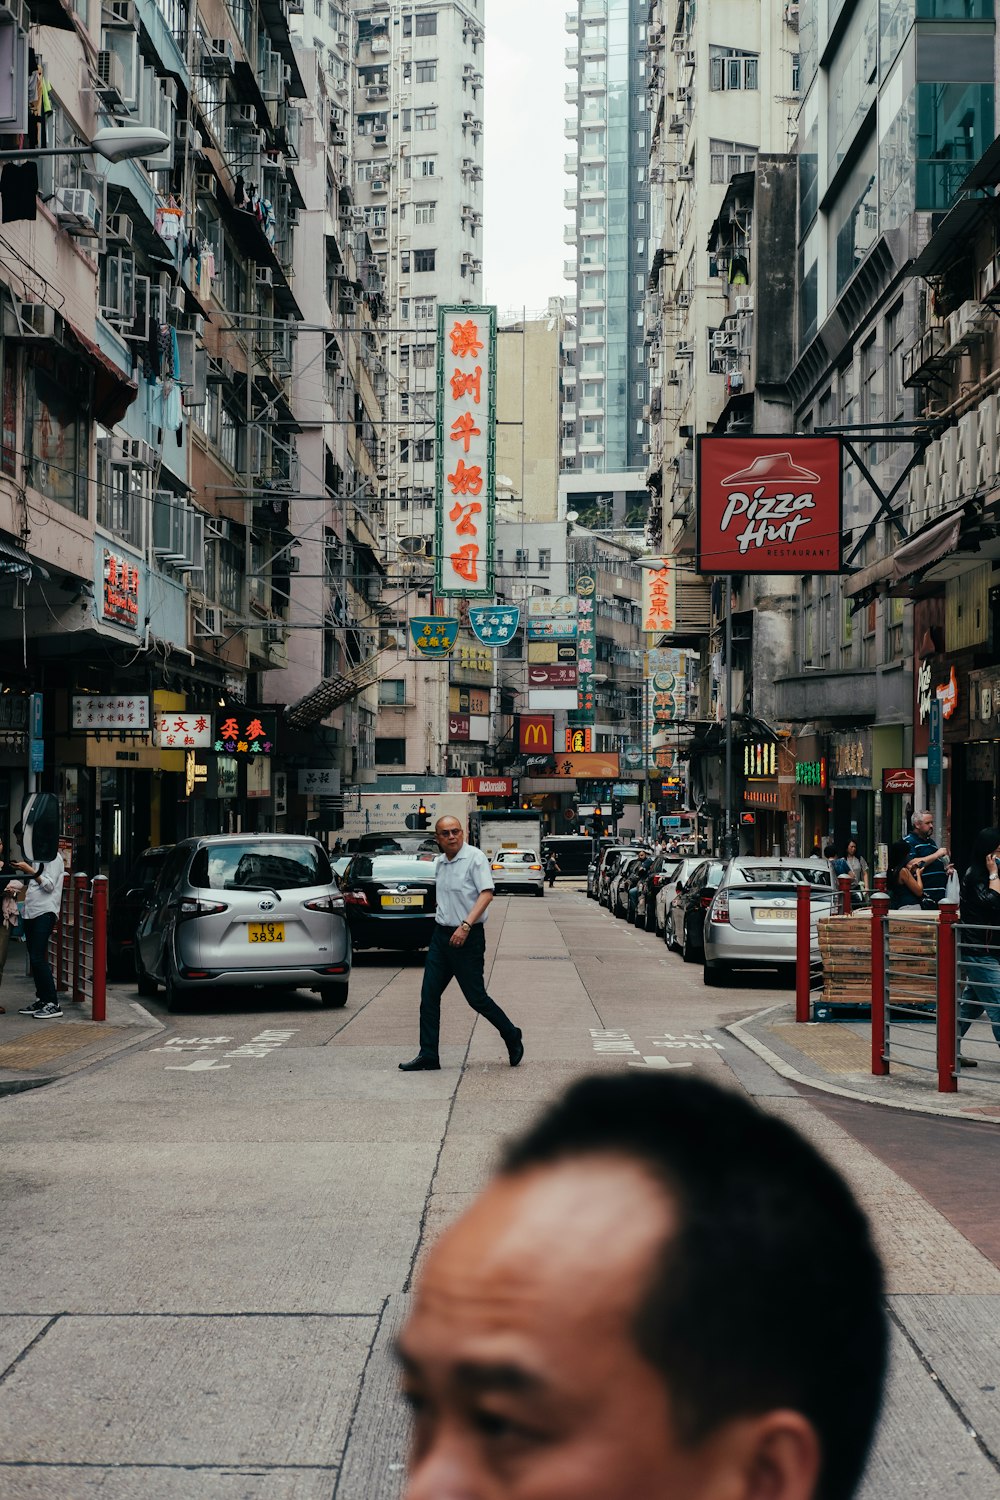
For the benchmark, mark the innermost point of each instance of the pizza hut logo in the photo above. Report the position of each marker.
(758, 518)
(900, 782)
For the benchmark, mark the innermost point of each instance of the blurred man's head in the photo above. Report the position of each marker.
(923, 823)
(665, 1295)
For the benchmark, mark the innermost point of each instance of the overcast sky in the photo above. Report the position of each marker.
(524, 145)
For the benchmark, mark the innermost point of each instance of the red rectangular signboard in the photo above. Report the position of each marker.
(535, 734)
(561, 674)
(900, 782)
(769, 505)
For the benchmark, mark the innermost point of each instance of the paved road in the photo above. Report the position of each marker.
(207, 1244)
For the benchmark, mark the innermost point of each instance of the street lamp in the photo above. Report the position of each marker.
(115, 143)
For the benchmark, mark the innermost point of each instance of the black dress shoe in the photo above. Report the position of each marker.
(420, 1064)
(515, 1050)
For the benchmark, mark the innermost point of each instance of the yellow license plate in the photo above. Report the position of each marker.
(416, 900)
(774, 914)
(266, 932)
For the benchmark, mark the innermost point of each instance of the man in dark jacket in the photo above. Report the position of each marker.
(938, 864)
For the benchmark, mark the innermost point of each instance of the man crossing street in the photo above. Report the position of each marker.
(464, 890)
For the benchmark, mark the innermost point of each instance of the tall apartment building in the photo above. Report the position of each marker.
(604, 428)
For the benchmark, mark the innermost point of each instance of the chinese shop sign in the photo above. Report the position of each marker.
(760, 758)
(579, 741)
(100, 713)
(811, 773)
(178, 730)
(659, 595)
(246, 733)
(465, 452)
(120, 595)
(769, 505)
(494, 627)
(434, 635)
(586, 640)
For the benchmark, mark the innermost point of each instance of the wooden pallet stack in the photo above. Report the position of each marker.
(912, 957)
(845, 946)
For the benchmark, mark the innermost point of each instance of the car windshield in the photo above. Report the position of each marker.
(385, 867)
(516, 857)
(260, 865)
(781, 875)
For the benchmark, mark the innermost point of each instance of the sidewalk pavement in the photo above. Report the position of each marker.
(835, 1057)
(33, 1052)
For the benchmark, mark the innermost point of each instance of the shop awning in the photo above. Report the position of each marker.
(912, 556)
(114, 389)
(15, 562)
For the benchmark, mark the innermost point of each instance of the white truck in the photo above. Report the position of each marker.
(395, 812)
(509, 830)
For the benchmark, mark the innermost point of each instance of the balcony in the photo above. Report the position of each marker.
(569, 127)
(571, 92)
(569, 234)
(569, 270)
(569, 411)
(571, 57)
(825, 694)
(569, 199)
(594, 83)
(570, 163)
(572, 22)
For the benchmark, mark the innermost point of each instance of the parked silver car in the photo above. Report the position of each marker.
(750, 923)
(244, 911)
(518, 870)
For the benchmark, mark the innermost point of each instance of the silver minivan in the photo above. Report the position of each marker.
(242, 910)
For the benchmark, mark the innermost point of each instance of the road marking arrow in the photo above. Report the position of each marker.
(200, 1065)
(659, 1062)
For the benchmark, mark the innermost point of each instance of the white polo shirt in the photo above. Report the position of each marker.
(459, 884)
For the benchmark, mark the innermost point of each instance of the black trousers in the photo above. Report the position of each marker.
(466, 964)
(37, 931)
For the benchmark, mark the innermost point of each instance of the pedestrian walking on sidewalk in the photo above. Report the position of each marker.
(665, 1292)
(857, 865)
(935, 861)
(980, 907)
(463, 891)
(10, 886)
(552, 870)
(42, 903)
(903, 880)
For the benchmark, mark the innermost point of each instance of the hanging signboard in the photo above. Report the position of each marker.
(535, 733)
(434, 635)
(465, 452)
(179, 730)
(97, 713)
(494, 626)
(769, 505)
(659, 595)
(245, 733)
(586, 641)
(120, 590)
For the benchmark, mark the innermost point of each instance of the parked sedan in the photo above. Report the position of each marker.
(518, 870)
(126, 905)
(608, 868)
(390, 900)
(750, 921)
(245, 911)
(619, 883)
(690, 906)
(668, 893)
(646, 911)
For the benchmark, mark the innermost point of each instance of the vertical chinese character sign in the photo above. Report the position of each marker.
(586, 644)
(465, 452)
(658, 595)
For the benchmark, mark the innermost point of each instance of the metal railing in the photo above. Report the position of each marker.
(78, 947)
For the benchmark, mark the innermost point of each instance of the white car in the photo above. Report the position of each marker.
(518, 870)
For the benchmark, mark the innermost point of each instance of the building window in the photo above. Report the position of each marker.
(427, 71)
(423, 260)
(424, 309)
(56, 430)
(425, 118)
(427, 24)
(423, 213)
(729, 69)
(796, 73)
(390, 752)
(544, 559)
(894, 363)
(729, 157)
(392, 691)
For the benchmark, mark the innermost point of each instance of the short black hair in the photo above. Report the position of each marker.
(770, 1293)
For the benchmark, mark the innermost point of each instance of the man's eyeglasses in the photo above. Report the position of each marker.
(449, 833)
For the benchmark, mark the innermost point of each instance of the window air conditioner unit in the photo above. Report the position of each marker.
(745, 303)
(685, 173)
(689, 59)
(245, 115)
(685, 350)
(683, 299)
(36, 320)
(673, 377)
(118, 14)
(204, 182)
(220, 56)
(273, 633)
(206, 622)
(263, 275)
(677, 122)
(216, 528)
(111, 81)
(135, 451)
(357, 216)
(723, 343)
(77, 211)
(682, 94)
(120, 229)
(187, 137)
(378, 185)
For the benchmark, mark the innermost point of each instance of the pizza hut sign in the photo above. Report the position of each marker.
(769, 505)
(900, 782)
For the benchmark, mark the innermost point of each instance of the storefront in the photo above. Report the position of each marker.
(812, 791)
(850, 772)
(767, 800)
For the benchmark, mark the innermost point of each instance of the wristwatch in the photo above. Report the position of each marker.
(467, 925)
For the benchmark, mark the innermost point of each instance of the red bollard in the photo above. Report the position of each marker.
(880, 907)
(99, 915)
(803, 951)
(844, 886)
(78, 994)
(879, 882)
(946, 1028)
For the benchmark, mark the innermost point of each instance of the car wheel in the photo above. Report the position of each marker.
(540, 890)
(715, 974)
(668, 932)
(333, 996)
(146, 986)
(687, 951)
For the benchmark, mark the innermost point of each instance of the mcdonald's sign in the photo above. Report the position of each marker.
(535, 734)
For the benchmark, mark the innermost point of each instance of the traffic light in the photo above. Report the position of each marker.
(617, 807)
(421, 816)
(525, 806)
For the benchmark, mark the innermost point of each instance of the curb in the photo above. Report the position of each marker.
(786, 1070)
(152, 1026)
